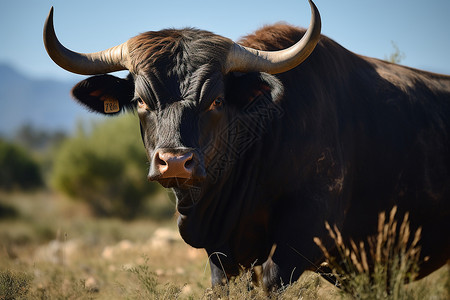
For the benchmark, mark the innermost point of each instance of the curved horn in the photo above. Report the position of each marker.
(110, 60)
(245, 59)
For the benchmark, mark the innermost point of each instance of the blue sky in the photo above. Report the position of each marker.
(419, 28)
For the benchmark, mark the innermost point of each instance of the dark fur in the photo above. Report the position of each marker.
(339, 138)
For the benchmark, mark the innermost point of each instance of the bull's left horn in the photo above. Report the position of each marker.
(245, 59)
(106, 61)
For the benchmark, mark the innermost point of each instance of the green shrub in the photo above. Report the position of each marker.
(7, 211)
(106, 167)
(18, 170)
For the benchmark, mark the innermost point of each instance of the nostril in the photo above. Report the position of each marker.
(189, 163)
(160, 161)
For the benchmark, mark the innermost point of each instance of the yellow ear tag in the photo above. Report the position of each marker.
(111, 106)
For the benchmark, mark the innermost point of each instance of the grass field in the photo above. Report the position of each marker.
(52, 248)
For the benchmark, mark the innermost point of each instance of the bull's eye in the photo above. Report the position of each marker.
(217, 103)
(142, 104)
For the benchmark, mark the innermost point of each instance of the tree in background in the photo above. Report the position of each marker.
(18, 170)
(36, 139)
(106, 166)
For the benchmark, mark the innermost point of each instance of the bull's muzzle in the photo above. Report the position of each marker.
(172, 165)
(175, 168)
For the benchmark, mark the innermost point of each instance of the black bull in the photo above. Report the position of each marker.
(260, 161)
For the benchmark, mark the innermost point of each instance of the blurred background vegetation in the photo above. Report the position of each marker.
(106, 166)
(18, 169)
(102, 163)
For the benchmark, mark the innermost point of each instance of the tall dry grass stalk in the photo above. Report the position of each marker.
(381, 271)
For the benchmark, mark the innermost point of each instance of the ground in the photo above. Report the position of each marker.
(53, 248)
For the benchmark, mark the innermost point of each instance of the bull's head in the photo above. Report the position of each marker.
(185, 85)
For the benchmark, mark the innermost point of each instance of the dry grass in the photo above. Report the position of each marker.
(68, 253)
(53, 249)
(382, 268)
(14, 284)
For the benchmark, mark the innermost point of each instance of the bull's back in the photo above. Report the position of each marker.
(403, 155)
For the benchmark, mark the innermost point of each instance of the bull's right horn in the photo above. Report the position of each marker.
(245, 59)
(106, 61)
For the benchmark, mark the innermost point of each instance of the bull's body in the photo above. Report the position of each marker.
(351, 137)
(358, 136)
(339, 138)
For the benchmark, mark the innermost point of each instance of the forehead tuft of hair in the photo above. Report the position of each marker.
(169, 49)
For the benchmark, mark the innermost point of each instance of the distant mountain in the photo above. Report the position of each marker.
(42, 103)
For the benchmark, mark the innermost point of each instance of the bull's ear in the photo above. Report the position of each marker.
(242, 89)
(105, 94)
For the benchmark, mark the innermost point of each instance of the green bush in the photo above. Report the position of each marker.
(106, 166)
(18, 170)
